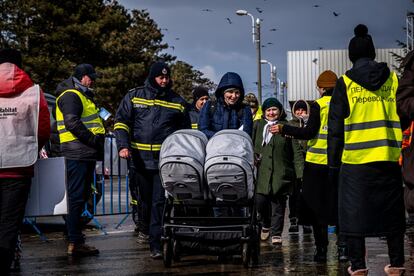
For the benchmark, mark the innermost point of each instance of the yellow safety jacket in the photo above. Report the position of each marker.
(89, 117)
(372, 129)
(317, 147)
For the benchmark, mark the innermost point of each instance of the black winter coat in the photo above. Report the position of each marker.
(88, 146)
(149, 122)
(370, 195)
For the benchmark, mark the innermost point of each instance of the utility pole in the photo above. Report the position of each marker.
(259, 66)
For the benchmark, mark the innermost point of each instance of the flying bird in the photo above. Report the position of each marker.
(263, 46)
(316, 6)
(259, 10)
(273, 30)
(164, 29)
(177, 38)
(206, 10)
(336, 13)
(228, 20)
(315, 60)
(172, 47)
(320, 48)
(270, 43)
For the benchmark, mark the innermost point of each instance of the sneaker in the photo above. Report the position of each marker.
(142, 238)
(264, 235)
(156, 254)
(276, 240)
(307, 229)
(81, 249)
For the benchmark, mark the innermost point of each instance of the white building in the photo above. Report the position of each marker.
(304, 68)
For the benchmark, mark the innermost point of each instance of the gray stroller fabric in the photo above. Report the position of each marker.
(181, 164)
(229, 165)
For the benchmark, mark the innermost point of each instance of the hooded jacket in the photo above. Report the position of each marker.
(88, 146)
(370, 75)
(224, 116)
(147, 115)
(10, 87)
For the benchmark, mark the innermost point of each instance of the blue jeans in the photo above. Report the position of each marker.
(152, 200)
(80, 176)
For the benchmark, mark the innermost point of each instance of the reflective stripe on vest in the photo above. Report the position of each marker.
(19, 119)
(194, 126)
(372, 130)
(89, 118)
(146, 147)
(317, 148)
(142, 101)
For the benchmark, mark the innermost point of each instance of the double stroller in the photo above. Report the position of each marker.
(200, 176)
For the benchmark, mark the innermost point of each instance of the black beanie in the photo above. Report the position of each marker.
(272, 102)
(361, 45)
(158, 69)
(198, 92)
(11, 56)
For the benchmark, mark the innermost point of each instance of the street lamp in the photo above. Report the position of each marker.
(272, 74)
(256, 41)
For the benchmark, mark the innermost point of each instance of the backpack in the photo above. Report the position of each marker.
(407, 159)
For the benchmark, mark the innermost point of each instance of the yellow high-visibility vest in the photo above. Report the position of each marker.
(372, 129)
(317, 147)
(89, 117)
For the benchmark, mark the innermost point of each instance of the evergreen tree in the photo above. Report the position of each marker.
(55, 36)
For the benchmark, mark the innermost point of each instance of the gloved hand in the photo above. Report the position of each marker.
(99, 141)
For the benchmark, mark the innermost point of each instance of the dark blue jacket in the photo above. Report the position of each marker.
(145, 117)
(222, 116)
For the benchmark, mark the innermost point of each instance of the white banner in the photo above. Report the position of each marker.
(48, 192)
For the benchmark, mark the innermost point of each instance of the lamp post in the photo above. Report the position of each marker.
(273, 77)
(256, 41)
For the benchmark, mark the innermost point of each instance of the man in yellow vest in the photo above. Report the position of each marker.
(364, 141)
(81, 134)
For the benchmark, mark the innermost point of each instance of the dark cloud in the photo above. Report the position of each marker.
(206, 38)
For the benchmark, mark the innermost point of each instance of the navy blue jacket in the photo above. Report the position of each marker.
(224, 116)
(145, 117)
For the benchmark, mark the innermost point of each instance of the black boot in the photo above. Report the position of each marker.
(320, 254)
(342, 254)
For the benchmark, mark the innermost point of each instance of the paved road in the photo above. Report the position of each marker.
(121, 255)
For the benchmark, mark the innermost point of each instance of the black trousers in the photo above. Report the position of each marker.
(152, 200)
(356, 247)
(271, 209)
(294, 200)
(134, 191)
(13, 198)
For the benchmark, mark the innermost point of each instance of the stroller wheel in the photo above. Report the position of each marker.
(176, 251)
(246, 250)
(167, 253)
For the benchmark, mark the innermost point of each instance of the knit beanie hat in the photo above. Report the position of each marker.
(327, 79)
(361, 46)
(85, 69)
(271, 102)
(300, 104)
(251, 100)
(158, 69)
(198, 92)
(11, 56)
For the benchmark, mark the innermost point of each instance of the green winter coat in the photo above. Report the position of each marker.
(281, 163)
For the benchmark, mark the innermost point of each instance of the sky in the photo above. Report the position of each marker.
(199, 32)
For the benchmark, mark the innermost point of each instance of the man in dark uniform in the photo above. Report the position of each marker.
(145, 117)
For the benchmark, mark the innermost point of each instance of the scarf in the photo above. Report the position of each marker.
(267, 135)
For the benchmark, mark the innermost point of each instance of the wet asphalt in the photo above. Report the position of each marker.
(120, 254)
